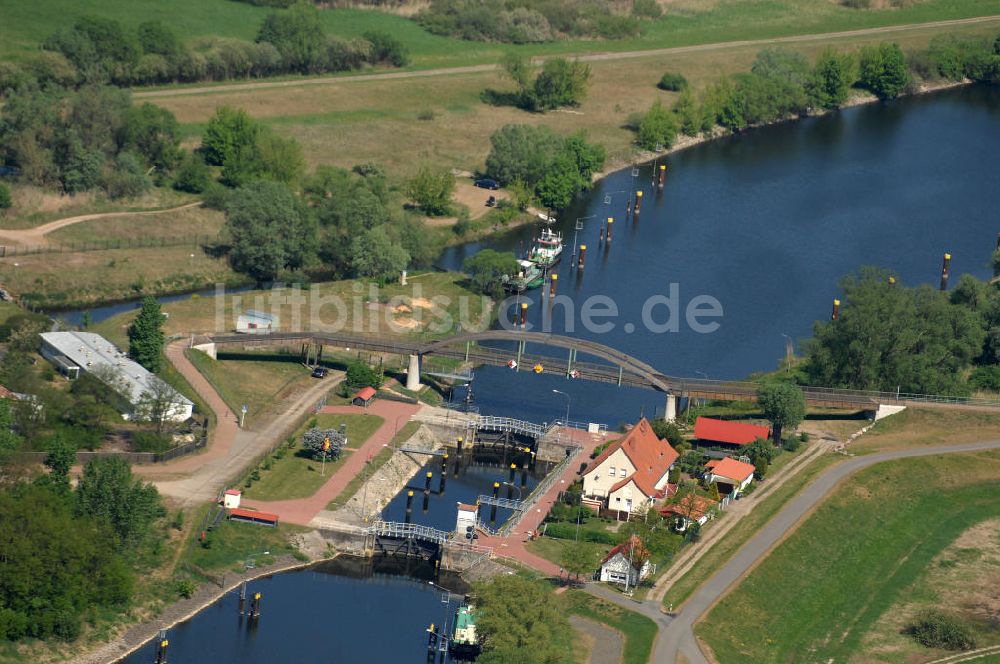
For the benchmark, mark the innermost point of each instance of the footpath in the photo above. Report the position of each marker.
(302, 511)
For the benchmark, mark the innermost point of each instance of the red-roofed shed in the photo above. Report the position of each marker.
(364, 396)
(730, 433)
(252, 516)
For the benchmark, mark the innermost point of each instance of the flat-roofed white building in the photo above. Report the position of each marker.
(76, 353)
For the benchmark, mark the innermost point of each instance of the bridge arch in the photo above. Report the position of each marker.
(615, 357)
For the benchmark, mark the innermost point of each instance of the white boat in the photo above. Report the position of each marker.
(547, 249)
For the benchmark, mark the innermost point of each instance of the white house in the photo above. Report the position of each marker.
(465, 520)
(631, 473)
(252, 321)
(732, 476)
(628, 563)
(76, 353)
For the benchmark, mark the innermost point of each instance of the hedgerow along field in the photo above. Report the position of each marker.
(685, 22)
(824, 588)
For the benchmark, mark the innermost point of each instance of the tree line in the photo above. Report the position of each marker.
(535, 21)
(783, 84)
(289, 41)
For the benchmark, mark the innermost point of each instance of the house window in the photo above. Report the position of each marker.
(612, 473)
(621, 473)
(618, 499)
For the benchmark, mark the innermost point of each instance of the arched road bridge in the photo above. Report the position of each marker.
(617, 367)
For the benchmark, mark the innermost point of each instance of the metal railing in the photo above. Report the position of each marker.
(506, 503)
(408, 531)
(495, 423)
(540, 490)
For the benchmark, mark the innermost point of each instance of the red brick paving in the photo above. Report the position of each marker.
(303, 510)
(513, 544)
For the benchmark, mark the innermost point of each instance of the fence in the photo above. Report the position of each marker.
(84, 456)
(105, 245)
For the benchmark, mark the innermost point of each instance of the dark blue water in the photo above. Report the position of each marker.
(767, 223)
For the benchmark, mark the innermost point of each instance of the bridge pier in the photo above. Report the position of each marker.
(670, 410)
(413, 374)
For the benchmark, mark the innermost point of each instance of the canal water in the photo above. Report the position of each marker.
(765, 223)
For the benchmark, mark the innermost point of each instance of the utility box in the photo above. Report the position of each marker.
(231, 499)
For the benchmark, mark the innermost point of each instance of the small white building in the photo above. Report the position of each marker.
(231, 499)
(731, 475)
(627, 564)
(252, 321)
(465, 522)
(76, 353)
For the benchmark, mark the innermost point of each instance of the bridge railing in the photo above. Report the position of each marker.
(496, 423)
(506, 503)
(540, 490)
(408, 531)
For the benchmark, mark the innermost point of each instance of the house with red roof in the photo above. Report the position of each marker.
(364, 397)
(731, 475)
(628, 563)
(689, 509)
(632, 472)
(712, 431)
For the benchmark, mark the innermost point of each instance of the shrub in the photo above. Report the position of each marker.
(193, 175)
(657, 128)
(986, 378)
(5, 199)
(568, 531)
(673, 82)
(185, 587)
(150, 441)
(883, 70)
(938, 630)
(791, 443)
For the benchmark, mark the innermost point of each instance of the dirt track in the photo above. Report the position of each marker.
(37, 234)
(592, 57)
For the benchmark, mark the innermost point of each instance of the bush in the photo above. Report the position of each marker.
(568, 531)
(791, 443)
(386, 48)
(5, 199)
(986, 378)
(185, 587)
(938, 630)
(657, 128)
(150, 441)
(883, 70)
(673, 82)
(193, 175)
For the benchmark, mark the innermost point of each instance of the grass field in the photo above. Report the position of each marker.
(259, 384)
(189, 223)
(297, 474)
(33, 206)
(638, 630)
(825, 587)
(377, 462)
(685, 22)
(231, 544)
(348, 122)
(916, 426)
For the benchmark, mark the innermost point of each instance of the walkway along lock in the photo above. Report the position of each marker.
(944, 271)
(835, 314)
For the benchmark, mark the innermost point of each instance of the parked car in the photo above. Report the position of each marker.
(487, 183)
(320, 372)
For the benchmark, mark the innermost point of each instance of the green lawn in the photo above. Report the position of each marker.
(690, 22)
(232, 543)
(256, 383)
(297, 474)
(731, 542)
(638, 630)
(822, 589)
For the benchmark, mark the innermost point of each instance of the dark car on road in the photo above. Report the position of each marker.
(487, 183)
(320, 372)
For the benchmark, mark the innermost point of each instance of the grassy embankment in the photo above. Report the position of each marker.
(879, 531)
(684, 23)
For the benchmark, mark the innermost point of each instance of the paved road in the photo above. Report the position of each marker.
(676, 636)
(592, 57)
(608, 644)
(37, 234)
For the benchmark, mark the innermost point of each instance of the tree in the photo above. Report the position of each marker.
(784, 405)
(59, 460)
(153, 132)
(668, 430)
(831, 81)
(560, 83)
(108, 492)
(713, 492)
(145, 335)
(688, 114)
(657, 128)
(157, 404)
(883, 70)
(386, 48)
(488, 269)
(578, 559)
(377, 256)
(268, 230)
(193, 175)
(359, 375)
(157, 38)
(5, 199)
(890, 337)
(519, 616)
(522, 152)
(268, 157)
(297, 33)
(431, 189)
(560, 183)
(228, 131)
(127, 177)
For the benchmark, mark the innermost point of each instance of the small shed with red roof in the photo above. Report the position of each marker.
(732, 476)
(710, 430)
(364, 397)
(231, 498)
(253, 516)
